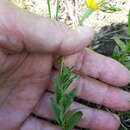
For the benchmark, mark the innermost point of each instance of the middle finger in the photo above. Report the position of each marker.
(98, 92)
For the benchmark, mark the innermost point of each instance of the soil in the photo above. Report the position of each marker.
(106, 26)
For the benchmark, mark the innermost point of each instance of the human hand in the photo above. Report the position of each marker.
(98, 74)
(28, 44)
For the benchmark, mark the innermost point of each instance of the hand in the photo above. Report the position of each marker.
(27, 46)
(92, 66)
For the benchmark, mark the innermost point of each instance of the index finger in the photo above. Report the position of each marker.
(21, 30)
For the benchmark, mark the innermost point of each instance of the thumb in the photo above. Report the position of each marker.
(20, 30)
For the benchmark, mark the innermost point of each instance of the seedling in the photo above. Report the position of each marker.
(62, 100)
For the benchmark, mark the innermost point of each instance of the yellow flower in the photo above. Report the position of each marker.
(94, 4)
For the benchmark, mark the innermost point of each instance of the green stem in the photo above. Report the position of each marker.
(49, 8)
(87, 13)
(129, 23)
(57, 9)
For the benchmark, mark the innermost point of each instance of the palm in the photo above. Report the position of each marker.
(23, 79)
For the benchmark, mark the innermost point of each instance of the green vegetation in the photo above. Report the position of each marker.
(62, 99)
(122, 50)
(65, 117)
(56, 16)
(93, 6)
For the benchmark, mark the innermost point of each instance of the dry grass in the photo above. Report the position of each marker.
(71, 10)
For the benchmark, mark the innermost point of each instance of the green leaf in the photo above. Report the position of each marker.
(116, 53)
(124, 113)
(128, 58)
(87, 13)
(111, 9)
(65, 75)
(67, 84)
(57, 10)
(127, 65)
(120, 43)
(123, 126)
(73, 120)
(57, 89)
(129, 23)
(128, 45)
(93, 47)
(49, 8)
(72, 93)
(70, 113)
(69, 98)
(122, 37)
(56, 109)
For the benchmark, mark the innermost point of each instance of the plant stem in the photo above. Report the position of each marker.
(87, 13)
(49, 8)
(57, 9)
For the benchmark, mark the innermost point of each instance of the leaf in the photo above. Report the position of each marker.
(57, 10)
(129, 23)
(111, 9)
(56, 110)
(122, 37)
(69, 98)
(123, 126)
(49, 8)
(94, 47)
(66, 73)
(127, 65)
(128, 58)
(57, 89)
(70, 112)
(67, 84)
(73, 120)
(128, 45)
(120, 43)
(87, 13)
(72, 93)
(125, 113)
(116, 53)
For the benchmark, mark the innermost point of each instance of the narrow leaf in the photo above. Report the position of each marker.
(73, 120)
(116, 53)
(122, 37)
(120, 43)
(128, 45)
(129, 23)
(87, 13)
(57, 10)
(111, 9)
(49, 8)
(69, 98)
(68, 82)
(56, 110)
(70, 113)
(57, 89)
